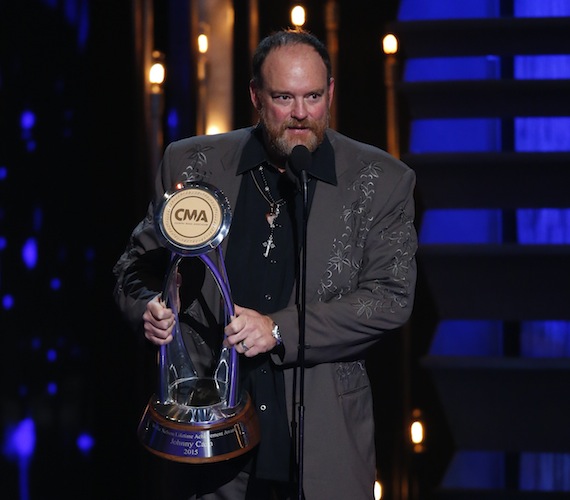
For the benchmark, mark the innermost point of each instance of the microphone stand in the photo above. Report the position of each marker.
(302, 315)
(300, 161)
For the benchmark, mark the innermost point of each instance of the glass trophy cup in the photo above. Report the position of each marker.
(190, 418)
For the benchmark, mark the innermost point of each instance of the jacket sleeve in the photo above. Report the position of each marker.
(368, 285)
(140, 270)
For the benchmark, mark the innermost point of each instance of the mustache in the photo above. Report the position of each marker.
(305, 123)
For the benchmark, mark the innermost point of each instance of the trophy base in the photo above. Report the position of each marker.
(198, 443)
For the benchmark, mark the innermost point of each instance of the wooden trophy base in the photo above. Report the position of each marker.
(199, 443)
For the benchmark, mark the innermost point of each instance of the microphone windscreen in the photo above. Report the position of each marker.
(300, 159)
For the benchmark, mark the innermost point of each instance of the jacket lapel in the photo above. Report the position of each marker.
(322, 228)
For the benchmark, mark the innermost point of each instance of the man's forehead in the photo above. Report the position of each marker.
(293, 50)
(287, 58)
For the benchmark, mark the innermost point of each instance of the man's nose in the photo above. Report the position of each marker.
(299, 110)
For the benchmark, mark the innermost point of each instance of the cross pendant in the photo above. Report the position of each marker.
(268, 245)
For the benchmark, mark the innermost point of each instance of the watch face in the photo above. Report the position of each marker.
(276, 334)
(193, 219)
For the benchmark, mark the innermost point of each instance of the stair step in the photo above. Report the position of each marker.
(506, 282)
(485, 98)
(489, 36)
(491, 180)
(508, 404)
(480, 494)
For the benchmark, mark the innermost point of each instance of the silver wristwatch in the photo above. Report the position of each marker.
(276, 334)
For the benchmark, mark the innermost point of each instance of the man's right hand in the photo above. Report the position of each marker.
(158, 322)
(158, 319)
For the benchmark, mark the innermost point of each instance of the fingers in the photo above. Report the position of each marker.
(158, 322)
(249, 332)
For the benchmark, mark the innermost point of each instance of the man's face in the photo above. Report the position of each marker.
(294, 101)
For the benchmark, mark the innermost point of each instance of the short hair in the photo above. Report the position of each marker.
(284, 38)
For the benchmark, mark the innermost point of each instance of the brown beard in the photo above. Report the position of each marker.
(282, 147)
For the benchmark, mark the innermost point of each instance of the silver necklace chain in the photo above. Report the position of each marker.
(274, 208)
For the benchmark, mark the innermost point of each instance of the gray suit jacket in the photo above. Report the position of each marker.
(360, 284)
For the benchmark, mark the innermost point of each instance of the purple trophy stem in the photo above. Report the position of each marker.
(162, 375)
(220, 276)
(162, 392)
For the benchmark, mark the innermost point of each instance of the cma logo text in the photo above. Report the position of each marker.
(185, 214)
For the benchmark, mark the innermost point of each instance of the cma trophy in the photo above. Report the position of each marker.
(190, 418)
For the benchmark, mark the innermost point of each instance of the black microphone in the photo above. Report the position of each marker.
(300, 161)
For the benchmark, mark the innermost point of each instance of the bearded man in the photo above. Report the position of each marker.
(360, 280)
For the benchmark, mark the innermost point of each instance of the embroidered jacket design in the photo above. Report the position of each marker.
(346, 254)
(197, 169)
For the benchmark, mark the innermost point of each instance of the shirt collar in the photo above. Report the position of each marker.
(322, 167)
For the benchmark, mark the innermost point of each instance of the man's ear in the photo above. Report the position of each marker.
(331, 91)
(253, 95)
